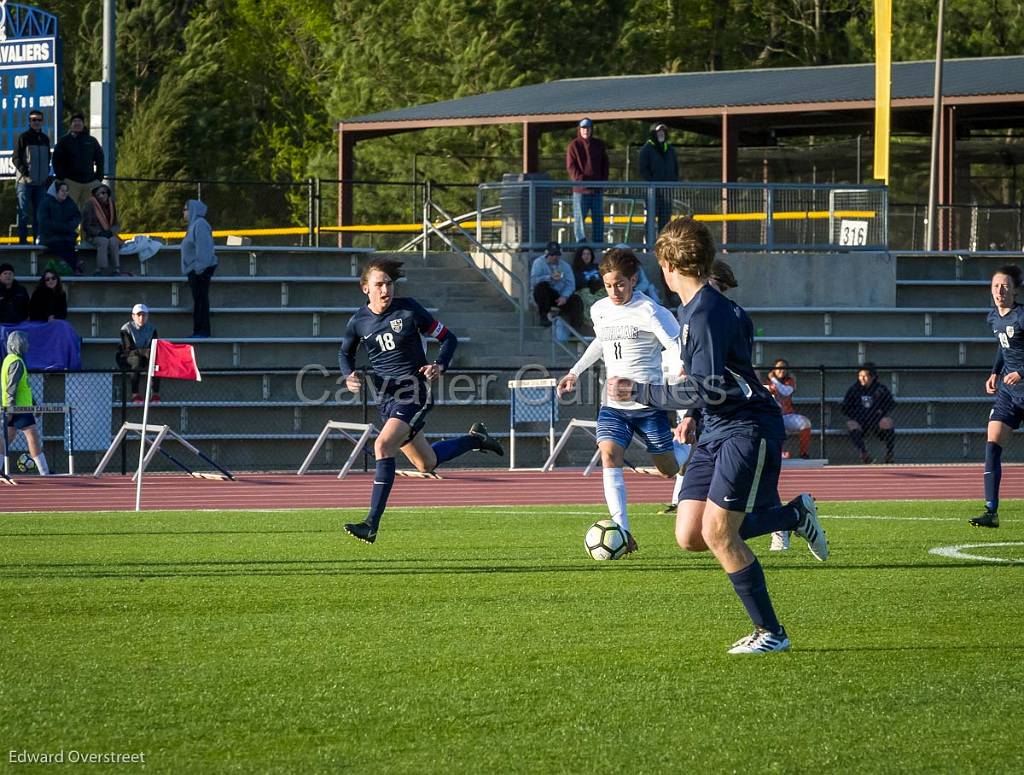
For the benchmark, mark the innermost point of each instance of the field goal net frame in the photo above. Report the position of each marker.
(365, 430)
(160, 433)
(40, 409)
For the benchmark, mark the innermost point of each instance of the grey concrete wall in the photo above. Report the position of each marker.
(814, 279)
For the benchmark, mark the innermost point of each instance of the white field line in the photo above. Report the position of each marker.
(956, 552)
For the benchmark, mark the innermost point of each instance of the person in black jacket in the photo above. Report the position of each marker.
(32, 161)
(78, 160)
(658, 163)
(49, 300)
(58, 224)
(868, 406)
(14, 300)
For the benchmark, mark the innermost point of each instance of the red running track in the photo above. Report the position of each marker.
(470, 488)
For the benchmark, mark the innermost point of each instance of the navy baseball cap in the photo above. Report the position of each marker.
(586, 123)
(554, 249)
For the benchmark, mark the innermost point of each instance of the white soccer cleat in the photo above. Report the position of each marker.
(761, 641)
(808, 527)
(780, 541)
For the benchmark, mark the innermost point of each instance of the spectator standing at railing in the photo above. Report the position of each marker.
(868, 406)
(58, 224)
(554, 288)
(1006, 383)
(658, 163)
(587, 159)
(137, 336)
(32, 161)
(14, 299)
(49, 300)
(78, 160)
(198, 263)
(15, 391)
(99, 226)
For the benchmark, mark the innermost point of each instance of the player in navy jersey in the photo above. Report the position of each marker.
(1005, 382)
(730, 487)
(391, 331)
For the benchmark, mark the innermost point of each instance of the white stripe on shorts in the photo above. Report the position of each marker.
(756, 484)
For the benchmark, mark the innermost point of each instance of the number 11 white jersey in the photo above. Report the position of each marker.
(630, 338)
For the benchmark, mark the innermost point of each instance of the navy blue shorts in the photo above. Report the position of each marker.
(1007, 410)
(411, 407)
(738, 473)
(651, 425)
(21, 421)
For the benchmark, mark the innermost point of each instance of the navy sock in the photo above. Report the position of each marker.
(752, 590)
(452, 448)
(888, 435)
(993, 474)
(383, 479)
(857, 437)
(760, 523)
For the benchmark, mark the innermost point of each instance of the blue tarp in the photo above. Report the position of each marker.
(52, 346)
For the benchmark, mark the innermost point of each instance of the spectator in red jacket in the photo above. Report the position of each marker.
(587, 159)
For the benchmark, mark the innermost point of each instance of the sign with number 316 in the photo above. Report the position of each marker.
(853, 232)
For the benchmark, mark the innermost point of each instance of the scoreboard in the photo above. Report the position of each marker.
(30, 69)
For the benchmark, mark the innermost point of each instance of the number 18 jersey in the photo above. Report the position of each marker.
(393, 339)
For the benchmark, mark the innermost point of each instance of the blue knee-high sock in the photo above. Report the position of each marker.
(452, 448)
(383, 479)
(857, 437)
(752, 590)
(760, 523)
(993, 474)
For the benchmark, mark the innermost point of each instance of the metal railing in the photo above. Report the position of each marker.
(742, 216)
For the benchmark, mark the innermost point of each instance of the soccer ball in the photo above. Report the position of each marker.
(25, 462)
(605, 540)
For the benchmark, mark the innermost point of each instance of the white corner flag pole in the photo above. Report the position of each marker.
(145, 424)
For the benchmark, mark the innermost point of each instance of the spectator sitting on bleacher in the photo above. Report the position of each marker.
(58, 224)
(782, 384)
(99, 226)
(49, 300)
(14, 300)
(133, 354)
(589, 286)
(554, 288)
(867, 406)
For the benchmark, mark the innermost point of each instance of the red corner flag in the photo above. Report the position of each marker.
(175, 361)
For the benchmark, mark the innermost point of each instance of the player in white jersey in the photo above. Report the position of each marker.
(631, 330)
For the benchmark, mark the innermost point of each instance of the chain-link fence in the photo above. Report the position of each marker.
(268, 419)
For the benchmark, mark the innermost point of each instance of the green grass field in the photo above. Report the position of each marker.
(484, 640)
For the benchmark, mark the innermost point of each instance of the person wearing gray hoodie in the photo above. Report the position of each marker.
(198, 263)
(15, 391)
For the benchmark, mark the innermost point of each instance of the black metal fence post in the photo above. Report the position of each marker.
(821, 445)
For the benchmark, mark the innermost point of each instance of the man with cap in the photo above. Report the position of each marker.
(78, 161)
(658, 163)
(587, 159)
(15, 391)
(136, 336)
(14, 298)
(554, 288)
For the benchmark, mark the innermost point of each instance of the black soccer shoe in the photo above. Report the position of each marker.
(487, 442)
(671, 508)
(631, 545)
(988, 519)
(362, 531)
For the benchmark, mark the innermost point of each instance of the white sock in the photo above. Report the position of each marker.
(678, 489)
(615, 495)
(41, 467)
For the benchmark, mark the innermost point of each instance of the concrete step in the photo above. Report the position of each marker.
(967, 293)
(951, 267)
(931, 321)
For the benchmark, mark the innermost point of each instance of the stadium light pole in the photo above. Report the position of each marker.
(933, 173)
